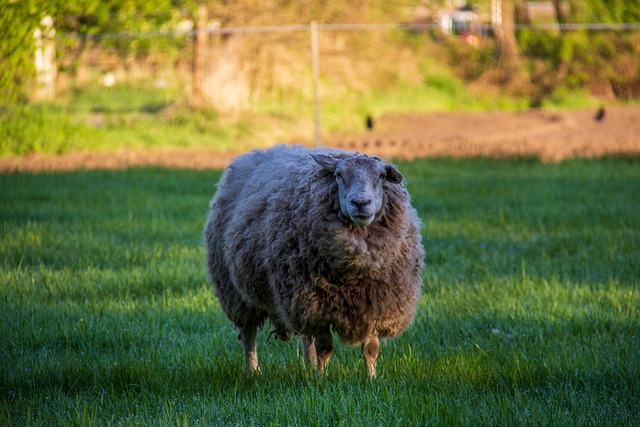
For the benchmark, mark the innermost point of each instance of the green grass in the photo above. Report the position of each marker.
(530, 312)
(112, 118)
(438, 90)
(92, 118)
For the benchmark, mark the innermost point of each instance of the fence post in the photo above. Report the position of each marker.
(496, 18)
(45, 59)
(316, 97)
(199, 52)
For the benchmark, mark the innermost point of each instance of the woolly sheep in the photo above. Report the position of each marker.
(314, 240)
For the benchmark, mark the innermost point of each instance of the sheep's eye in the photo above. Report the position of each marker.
(338, 175)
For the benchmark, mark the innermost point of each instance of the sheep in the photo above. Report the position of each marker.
(314, 240)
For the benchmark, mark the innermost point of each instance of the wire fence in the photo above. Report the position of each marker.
(294, 66)
(272, 83)
(344, 27)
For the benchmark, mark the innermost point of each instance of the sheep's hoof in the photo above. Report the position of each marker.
(309, 348)
(252, 364)
(370, 348)
(371, 372)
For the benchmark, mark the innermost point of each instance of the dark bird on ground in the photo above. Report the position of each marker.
(369, 122)
(600, 114)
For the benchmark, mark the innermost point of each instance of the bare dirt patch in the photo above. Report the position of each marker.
(548, 135)
(119, 159)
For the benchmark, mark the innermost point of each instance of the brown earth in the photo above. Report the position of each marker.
(548, 135)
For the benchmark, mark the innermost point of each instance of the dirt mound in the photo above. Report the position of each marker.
(549, 135)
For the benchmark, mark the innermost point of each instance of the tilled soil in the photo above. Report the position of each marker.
(548, 135)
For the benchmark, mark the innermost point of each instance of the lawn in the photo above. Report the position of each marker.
(530, 313)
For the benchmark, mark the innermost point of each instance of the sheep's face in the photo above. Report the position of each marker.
(361, 181)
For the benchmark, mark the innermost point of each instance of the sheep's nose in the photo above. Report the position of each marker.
(360, 203)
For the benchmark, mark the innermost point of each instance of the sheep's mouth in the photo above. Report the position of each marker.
(362, 220)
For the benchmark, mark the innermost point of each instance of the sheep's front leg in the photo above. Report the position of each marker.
(370, 349)
(309, 347)
(324, 349)
(248, 337)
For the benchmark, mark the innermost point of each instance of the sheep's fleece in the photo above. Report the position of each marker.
(280, 247)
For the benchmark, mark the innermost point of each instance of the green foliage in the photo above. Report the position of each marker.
(583, 59)
(529, 313)
(471, 62)
(564, 98)
(37, 128)
(603, 62)
(17, 23)
(112, 118)
(607, 11)
(121, 99)
(97, 118)
(19, 19)
(86, 17)
(109, 20)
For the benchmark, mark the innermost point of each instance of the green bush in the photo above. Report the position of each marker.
(37, 128)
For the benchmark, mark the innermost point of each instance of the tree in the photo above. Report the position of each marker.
(17, 23)
(81, 18)
(511, 71)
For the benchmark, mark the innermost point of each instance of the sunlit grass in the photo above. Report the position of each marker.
(110, 118)
(529, 312)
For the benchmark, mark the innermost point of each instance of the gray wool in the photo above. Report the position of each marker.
(280, 247)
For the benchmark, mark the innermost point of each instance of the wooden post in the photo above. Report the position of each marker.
(509, 56)
(496, 18)
(199, 52)
(315, 57)
(45, 59)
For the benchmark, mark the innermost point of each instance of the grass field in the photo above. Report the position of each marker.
(530, 312)
(136, 117)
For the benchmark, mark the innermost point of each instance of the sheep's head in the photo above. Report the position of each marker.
(361, 181)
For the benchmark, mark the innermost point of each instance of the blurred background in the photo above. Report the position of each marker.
(232, 75)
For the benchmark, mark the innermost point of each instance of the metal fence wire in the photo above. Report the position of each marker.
(292, 67)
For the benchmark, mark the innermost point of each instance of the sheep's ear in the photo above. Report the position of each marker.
(327, 162)
(393, 175)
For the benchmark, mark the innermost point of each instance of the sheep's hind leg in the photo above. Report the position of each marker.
(370, 349)
(248, 337)
(309, 347)
(324, 349)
